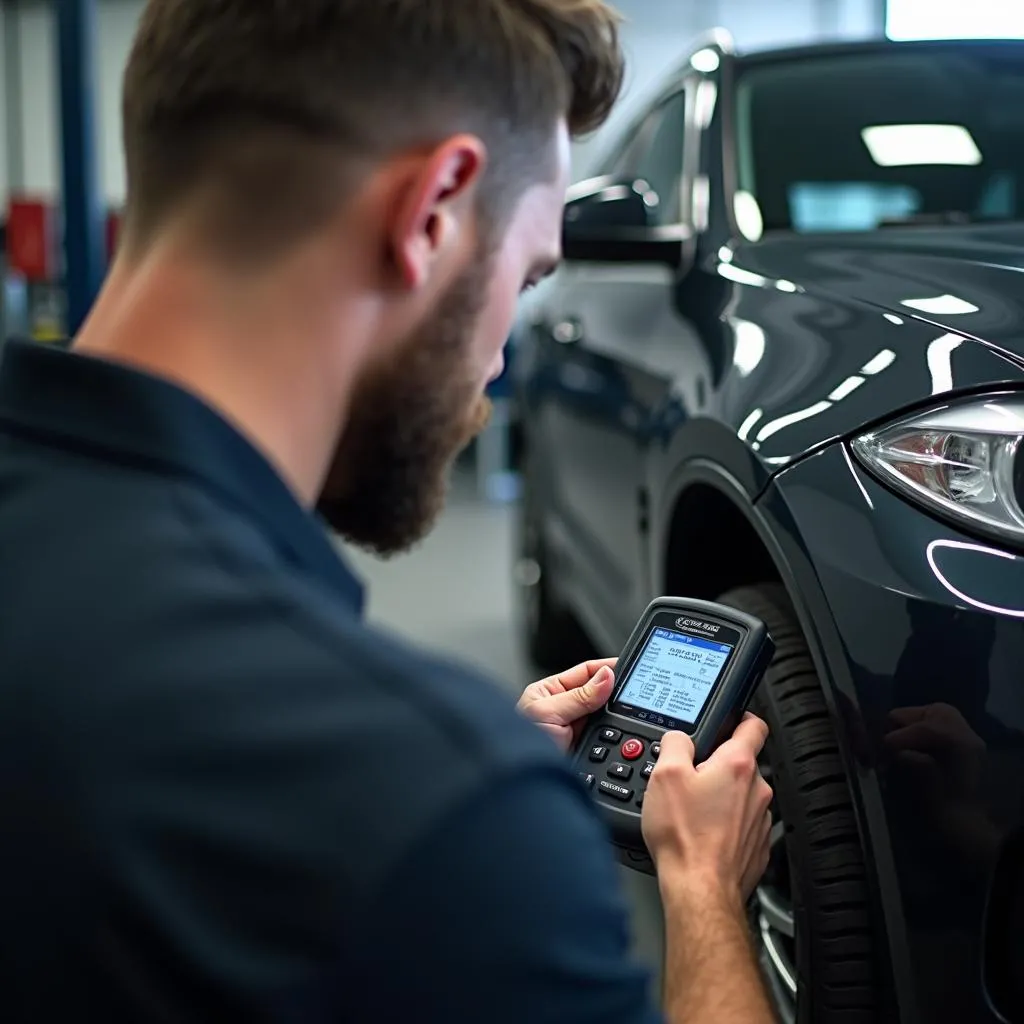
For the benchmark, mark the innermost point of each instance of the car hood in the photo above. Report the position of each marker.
(969, 281)
(865, 326)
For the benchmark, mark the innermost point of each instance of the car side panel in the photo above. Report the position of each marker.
(603, 400)
(909, 603)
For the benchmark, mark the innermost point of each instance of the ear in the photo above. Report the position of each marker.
(436, 210)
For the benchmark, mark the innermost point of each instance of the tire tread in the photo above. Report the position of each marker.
(835, 952)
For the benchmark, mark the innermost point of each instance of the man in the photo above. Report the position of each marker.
(222, 797)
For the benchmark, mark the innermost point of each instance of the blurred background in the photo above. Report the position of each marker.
(456, 592)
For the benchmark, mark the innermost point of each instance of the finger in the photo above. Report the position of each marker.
(751, 733)
(560, 734)
(572, 705)
(677, 747)
(580, 675)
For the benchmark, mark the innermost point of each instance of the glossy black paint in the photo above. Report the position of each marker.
(735, 381)
(911, 613)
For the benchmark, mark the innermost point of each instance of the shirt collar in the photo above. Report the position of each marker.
(77, 401)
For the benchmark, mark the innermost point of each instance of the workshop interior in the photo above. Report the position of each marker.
(780, 369)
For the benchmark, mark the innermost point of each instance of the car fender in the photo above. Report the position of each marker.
(767, 514)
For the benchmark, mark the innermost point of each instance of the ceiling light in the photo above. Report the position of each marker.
(941, 305)
(750, 347)
(906, 145)
(881, 362)
(846, 389)
(705, 61)
(748, 216)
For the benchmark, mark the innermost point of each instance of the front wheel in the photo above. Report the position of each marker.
(811, 916)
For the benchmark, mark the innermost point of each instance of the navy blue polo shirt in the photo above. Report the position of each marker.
(223, 797)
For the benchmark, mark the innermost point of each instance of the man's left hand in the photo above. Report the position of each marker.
(560, 704)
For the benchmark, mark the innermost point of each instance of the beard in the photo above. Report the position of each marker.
(408, 421)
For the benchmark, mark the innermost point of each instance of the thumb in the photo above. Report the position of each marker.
(569, 707)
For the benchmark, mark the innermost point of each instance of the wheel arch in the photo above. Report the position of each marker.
(736, 541)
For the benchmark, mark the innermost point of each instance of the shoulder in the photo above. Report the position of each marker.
(276, 699)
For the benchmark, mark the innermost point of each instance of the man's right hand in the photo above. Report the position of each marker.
(708, 826)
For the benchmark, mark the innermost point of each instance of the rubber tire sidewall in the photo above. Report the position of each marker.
(835, 956)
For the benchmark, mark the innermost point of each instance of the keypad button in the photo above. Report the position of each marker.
(632, 749)
(587, 779)
(610, 735)
(656, 751)
(648, 768)
(615, 791)
(598, 754)
(621, 771)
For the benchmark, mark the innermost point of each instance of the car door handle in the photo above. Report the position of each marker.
(568, 331)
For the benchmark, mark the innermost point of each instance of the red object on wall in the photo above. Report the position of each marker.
(32, 239)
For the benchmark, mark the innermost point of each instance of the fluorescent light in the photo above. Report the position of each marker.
(941, 305)
(907, 145)
(749, 423)
(893, 319)
(750, 347)
(940, 362)
(881, 362)
(846, 389)
(794, 417)
(707, 97)
(786, 286)
(934, 19)
(748, 216)
(705, 61)
(741, 276)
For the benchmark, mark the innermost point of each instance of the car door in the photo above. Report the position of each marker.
(611, 324)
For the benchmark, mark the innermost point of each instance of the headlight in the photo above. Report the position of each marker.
(964, 460)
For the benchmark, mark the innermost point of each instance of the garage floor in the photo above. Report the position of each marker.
(454, 593)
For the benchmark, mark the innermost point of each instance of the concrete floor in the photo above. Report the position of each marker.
(455, 593)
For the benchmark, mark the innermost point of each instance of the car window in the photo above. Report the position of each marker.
(660, 163)
(855, 141)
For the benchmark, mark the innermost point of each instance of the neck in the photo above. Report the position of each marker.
(255, 349)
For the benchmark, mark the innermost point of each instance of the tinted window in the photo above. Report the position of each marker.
(849, 142)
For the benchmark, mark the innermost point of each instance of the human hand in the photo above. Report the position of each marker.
(708, 826)
(560, 704)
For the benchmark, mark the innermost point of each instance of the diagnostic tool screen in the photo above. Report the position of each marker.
(675, 674)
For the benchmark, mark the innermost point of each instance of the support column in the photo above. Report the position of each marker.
(11, 70)
(83, 206)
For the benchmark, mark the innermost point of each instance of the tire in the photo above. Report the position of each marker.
(551, 636)
(817, 851)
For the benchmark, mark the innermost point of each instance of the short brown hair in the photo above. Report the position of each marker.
(270, 107)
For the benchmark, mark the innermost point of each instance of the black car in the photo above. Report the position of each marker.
(783, 367)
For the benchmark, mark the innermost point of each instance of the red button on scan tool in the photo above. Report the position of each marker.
(632, 749)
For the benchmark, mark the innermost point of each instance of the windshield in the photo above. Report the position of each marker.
(860, 140)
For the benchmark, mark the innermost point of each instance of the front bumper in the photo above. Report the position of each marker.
(906, 612)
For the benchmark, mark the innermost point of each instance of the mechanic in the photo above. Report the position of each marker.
(224, 797)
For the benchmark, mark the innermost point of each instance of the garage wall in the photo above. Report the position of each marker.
(657, 32)
(4, 159)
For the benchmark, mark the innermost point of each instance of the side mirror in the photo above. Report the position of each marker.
(609, 221)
